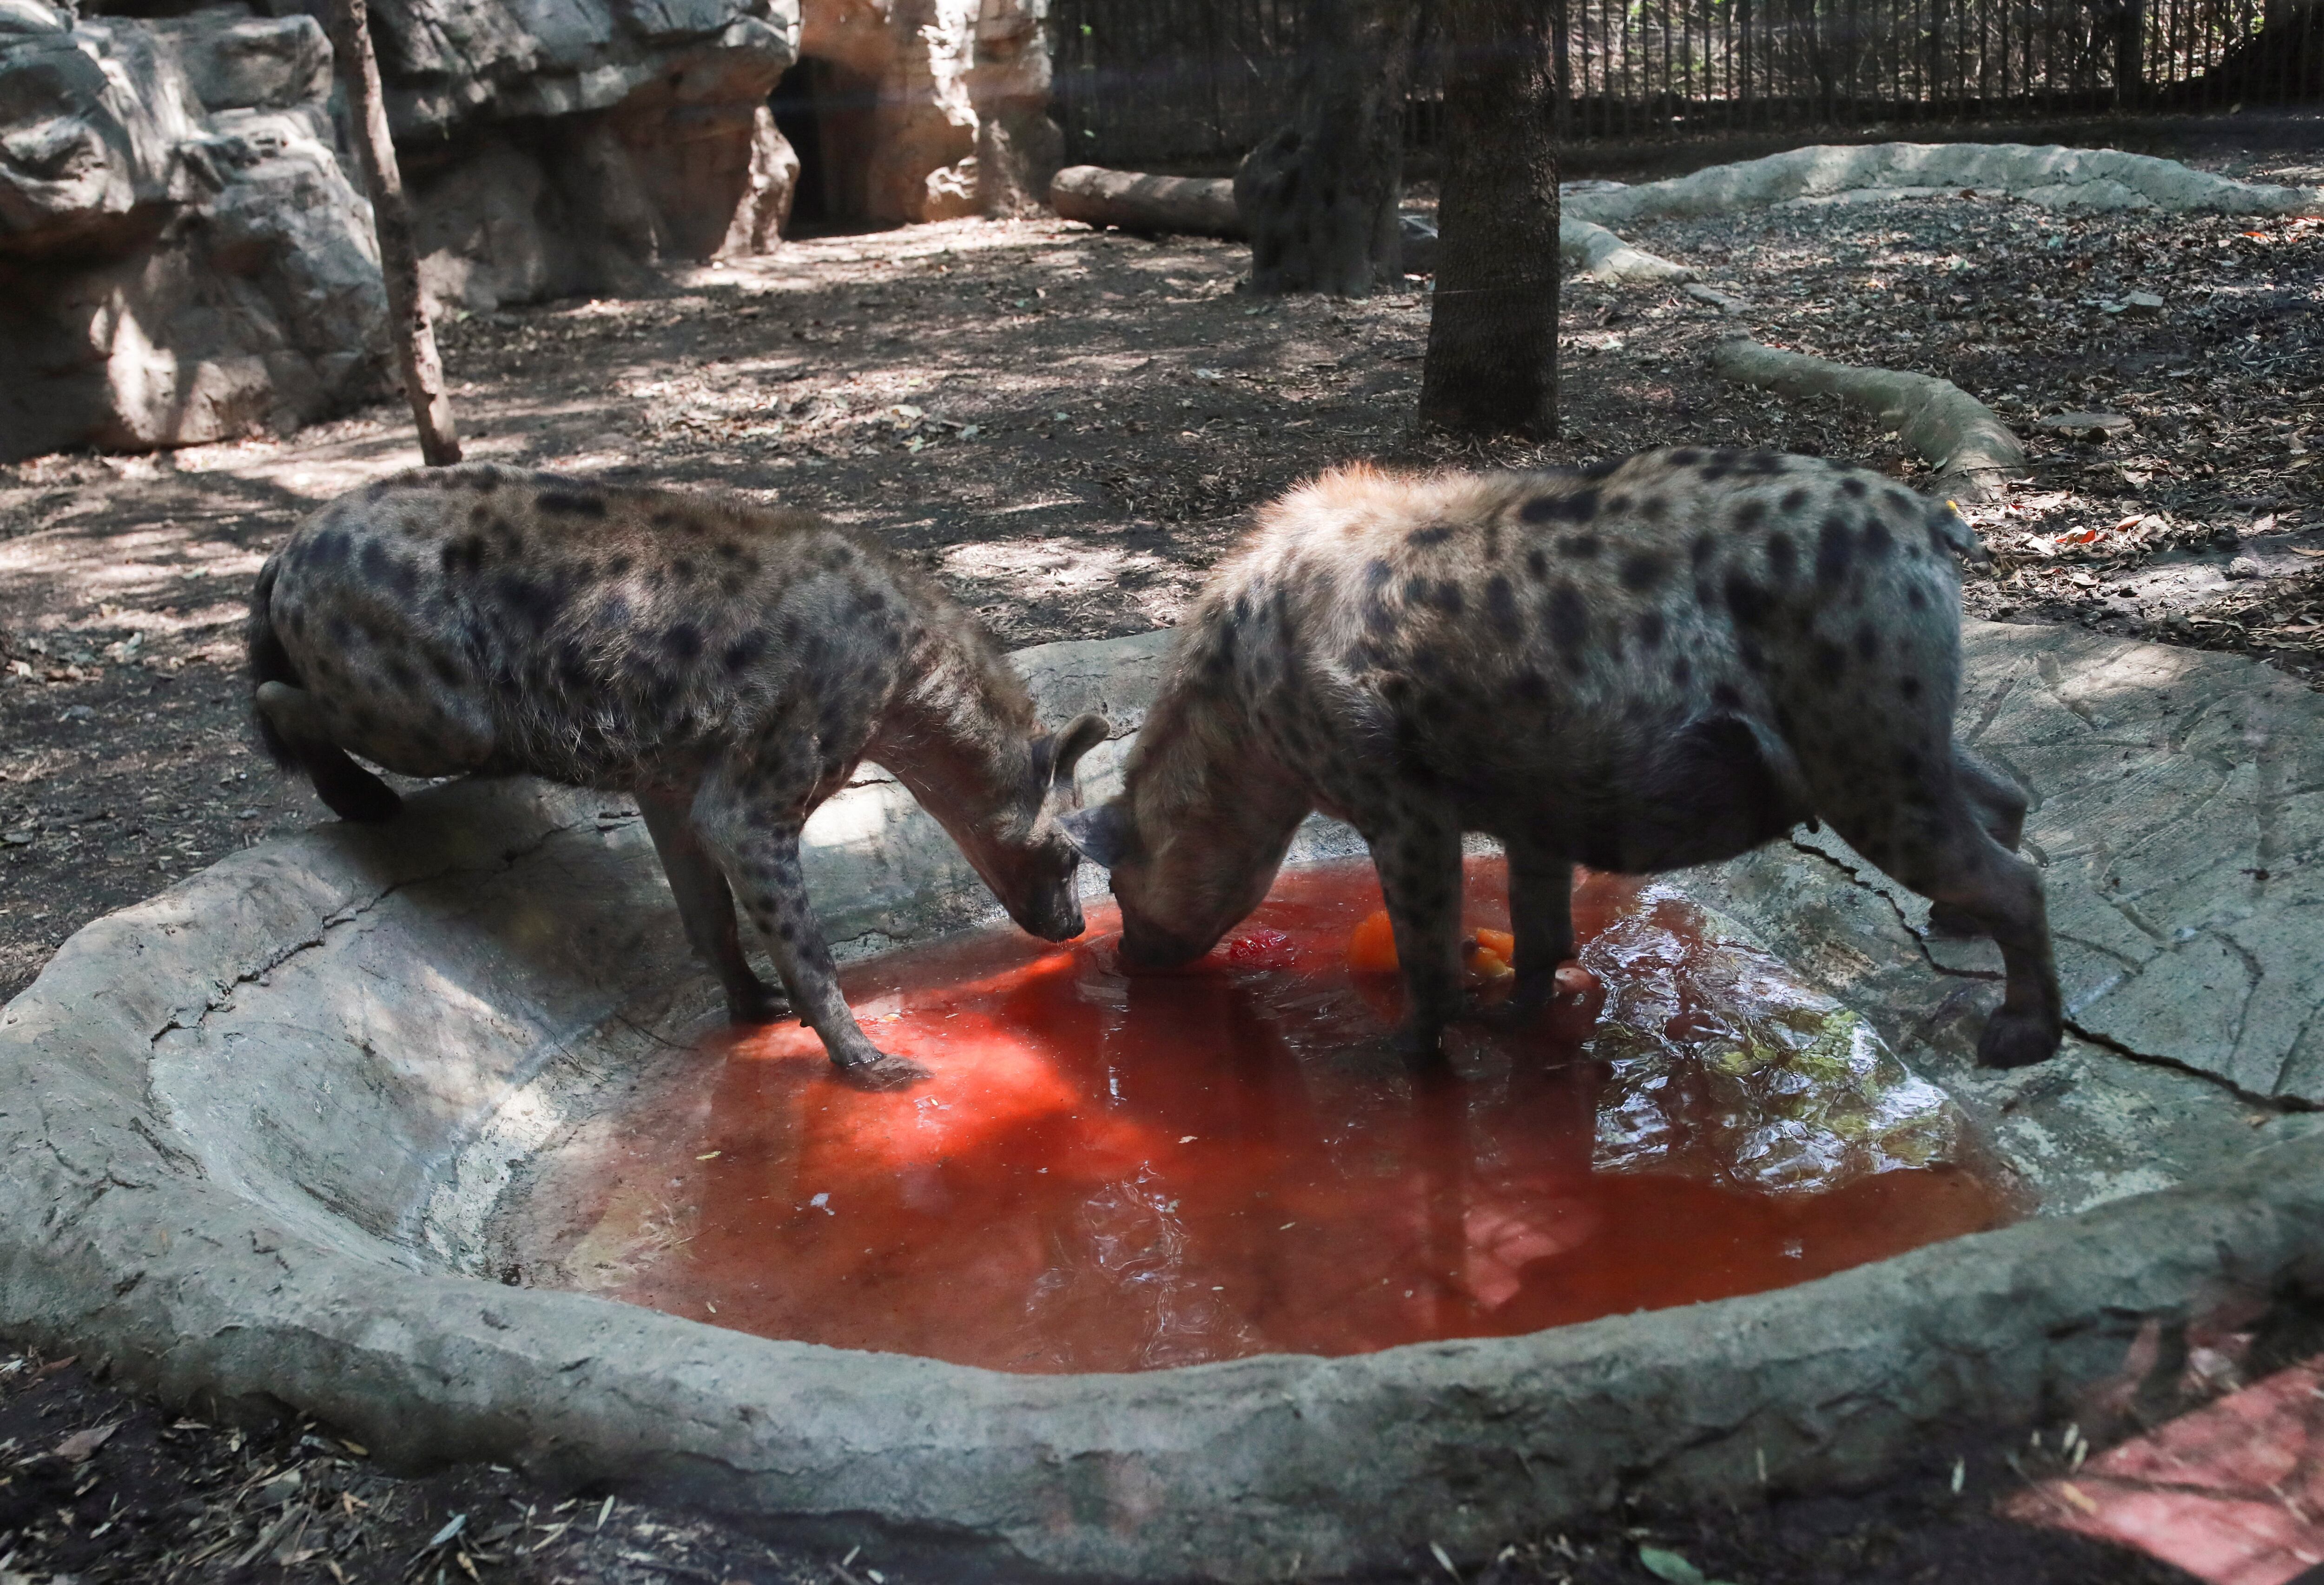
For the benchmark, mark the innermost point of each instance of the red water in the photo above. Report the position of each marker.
(1117, 1173)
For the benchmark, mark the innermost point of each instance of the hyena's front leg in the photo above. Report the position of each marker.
(1999, 805)
(1417, 853)
(759, 847)
(706, 906)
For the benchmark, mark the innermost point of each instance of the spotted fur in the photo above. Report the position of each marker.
(728, 664)
(1640, 666)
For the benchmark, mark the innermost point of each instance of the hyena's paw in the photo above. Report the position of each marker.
(880, 1071)
(1420, 1045)
(760, 1004)
(1953, 923)
(2016, 1040)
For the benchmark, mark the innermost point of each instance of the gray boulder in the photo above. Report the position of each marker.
(565, 146)
(181, 257)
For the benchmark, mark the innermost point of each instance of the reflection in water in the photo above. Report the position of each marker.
(1110, 1172)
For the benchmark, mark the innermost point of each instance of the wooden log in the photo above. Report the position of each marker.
(1186, 205)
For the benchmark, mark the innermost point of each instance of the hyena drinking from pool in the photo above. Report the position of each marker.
(727, 664)
(1657, 663)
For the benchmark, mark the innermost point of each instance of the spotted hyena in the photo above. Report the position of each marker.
(1649, 663)
(728, 664)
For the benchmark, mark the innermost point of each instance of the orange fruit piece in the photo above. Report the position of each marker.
(1371, 946)
(1501, 943)
(1489, 964)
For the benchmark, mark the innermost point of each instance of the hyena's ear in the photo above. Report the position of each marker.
(1102, 835)
(1055, 757)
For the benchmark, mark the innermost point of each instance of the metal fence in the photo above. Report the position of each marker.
(1160, 81)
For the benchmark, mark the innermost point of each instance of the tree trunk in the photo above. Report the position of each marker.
(1492, 327)
(414, 342)
(1318, 197)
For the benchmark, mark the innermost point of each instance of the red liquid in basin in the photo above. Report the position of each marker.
(1110, 1172)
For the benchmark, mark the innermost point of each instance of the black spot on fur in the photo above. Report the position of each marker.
(1750, 603)
(619, 567)
(1868, 641)
(1530, 687)
(1876, 542)
(1751, 515)
(462, 555)
(1703, 549)
(1793, 499)
(682, 569)
(446, 673)
(1436, 533)
(1644, 569)
(1654, 508)
(1767, 464)
(1686, 457)
(682, 640)
(1501, 607)
(1835, 549)
(329, 549)
(571, 503)
(1681, 669)
(1578, 507)
(401, 672)
(1910, 687)
(1917, 598)
(1568, 618)
(530, 599)
(1783, 557)
(1650, 625)
(1830, 661)
(1605, 467)
(1537, 564)
(1853, 488)
(1726, 697)
(1580, 547)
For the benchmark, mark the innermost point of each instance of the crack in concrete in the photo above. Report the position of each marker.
(225, 988)
(1920, 943)
(2283, 1105)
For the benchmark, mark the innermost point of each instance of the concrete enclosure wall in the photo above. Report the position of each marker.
(249, 1128)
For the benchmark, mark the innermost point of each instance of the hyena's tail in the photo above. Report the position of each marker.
(282, 712)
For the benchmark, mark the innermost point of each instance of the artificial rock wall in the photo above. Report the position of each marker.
(182, 258)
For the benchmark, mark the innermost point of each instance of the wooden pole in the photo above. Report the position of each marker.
(398, 262)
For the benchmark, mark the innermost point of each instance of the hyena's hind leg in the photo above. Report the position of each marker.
(1999, 805)
(290, 726)
(1934, 841)
(706, 906)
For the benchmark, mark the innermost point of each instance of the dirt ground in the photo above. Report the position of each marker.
(1069, 428)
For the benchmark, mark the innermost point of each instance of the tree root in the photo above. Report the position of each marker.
(1971, 449)
(1591, 250)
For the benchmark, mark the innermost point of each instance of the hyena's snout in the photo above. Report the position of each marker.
(1046, 901)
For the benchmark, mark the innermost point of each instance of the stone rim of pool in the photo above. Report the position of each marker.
(178, 1194)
